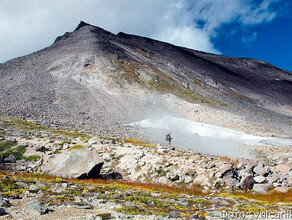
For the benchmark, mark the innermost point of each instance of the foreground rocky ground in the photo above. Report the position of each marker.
(136, 180)
(43, 197)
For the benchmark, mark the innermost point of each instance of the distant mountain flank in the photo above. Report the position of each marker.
(96, 80)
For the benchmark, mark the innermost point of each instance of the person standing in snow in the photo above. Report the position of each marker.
(168, 138)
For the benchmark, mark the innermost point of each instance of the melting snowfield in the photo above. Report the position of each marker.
(205, 138)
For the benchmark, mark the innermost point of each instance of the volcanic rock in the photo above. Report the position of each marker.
(247, 182)
(262, 188)
(78, 163)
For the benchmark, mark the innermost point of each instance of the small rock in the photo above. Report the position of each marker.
(272, 179)
(285, 182)
(240, 166)
(22, 185)
(165, 181)
(128, 203)
(196, 215)
(220, 202)
(202, 180)
(230, 178)
(173, 215)
(41, 149)
(188, 179)
(66, 146)
(4, 202)
(64, 185)
(250, 166)
(161, 150)
(10, 159)
(260, 169)
(211, 165)
(39, 184)
(282, 189)
(37, 207)
(185, 204)
(259, 179)
(2, 211)
(211, 174)
(276, 184)
(94, 140)
(219, 183)
(182, 200)
(90, 217)
(152, 203)
(262, 188)
(33, 187)
(224, 169)
(81, 205)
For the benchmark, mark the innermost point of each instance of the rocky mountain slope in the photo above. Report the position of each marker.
(93, 79)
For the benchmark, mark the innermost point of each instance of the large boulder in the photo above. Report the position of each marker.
(202, 180)
(36, 207)
(2, 211)
(246, 182)
(230, 178)
(223, 170)
(94, 140)
(262, 188)
(283, 189)
(260, 169)
(78, 163)
(250, 166)
(273, 178)
(259, 179)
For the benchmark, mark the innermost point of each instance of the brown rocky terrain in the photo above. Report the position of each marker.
(93, 79)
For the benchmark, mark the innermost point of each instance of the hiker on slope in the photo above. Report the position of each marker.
(168, 138)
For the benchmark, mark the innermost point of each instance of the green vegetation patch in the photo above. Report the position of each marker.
(134, 210)
(33, 158)
(162, 172)
(241, 96)
(4, 145)
(9, 188)
(31, 128)
(139, 142)
(73, 134)
(104, 216)
(75, 192)
(181, 92)
(28, 124)
(76, 147)
(16, 152)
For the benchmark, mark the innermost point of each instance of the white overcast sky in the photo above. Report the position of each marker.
(30, 25)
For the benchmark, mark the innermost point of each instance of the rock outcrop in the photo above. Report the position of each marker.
(78, 163)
